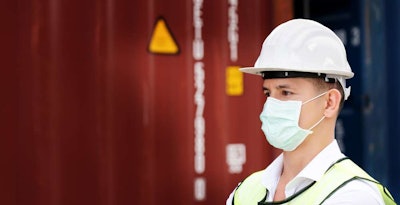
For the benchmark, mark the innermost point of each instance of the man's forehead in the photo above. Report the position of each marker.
(285, 83)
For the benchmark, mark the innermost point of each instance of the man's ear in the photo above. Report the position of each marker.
(333, 103)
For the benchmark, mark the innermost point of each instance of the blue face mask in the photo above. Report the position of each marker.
(280, 123)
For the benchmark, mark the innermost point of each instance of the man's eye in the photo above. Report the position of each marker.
(286, 93)
(267, 94)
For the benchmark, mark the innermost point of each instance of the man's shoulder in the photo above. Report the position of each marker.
(254, 179)
(354, 184)
(250, 189)
(357, 190)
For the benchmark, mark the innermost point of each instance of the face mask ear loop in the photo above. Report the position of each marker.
(315, 97)
(312, 127)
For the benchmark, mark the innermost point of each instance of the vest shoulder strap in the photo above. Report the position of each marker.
(337, 176)
(250, 191)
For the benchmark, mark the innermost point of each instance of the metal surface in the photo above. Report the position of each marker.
(90, 116)
(392, 27)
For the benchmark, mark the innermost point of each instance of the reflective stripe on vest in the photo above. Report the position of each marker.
(251, 191)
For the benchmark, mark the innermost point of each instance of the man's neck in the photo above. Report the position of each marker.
(297, 160)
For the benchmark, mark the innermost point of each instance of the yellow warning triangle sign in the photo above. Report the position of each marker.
(162, 40)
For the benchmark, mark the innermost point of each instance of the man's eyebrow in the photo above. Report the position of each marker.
(283, 86)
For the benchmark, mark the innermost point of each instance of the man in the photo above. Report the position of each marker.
(304, 67)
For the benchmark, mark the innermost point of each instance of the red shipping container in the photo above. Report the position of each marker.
(100, 107)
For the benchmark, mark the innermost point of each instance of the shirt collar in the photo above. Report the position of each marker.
(318, 166)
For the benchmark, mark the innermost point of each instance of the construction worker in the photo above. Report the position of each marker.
(304, 68)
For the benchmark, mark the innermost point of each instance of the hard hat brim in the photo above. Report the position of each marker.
(258, 71)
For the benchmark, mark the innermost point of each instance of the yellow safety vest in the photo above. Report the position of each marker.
(251, 191)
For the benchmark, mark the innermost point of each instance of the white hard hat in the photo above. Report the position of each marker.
(307, 46)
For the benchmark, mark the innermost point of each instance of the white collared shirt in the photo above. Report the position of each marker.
(355, 192)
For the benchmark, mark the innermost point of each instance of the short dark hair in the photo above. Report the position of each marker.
(321, 85)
